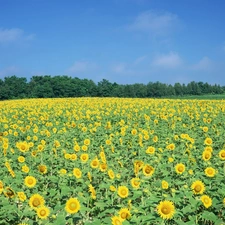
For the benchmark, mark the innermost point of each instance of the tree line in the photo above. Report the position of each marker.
(14, 87)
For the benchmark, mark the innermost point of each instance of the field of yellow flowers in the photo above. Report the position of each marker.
(113, 161)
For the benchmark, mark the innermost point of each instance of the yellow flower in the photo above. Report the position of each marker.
(84, 157)
(166, 209)
(21, 159)
(191, 172)
(170, 159)
(22, 196)
(208, 148)
(30, 181)
(210, 172)
(171, 146)
(1, 186)
(135, 183)
(180, 168)
(125, 214)
(206, 155)
(112, 188)
(111, 174)
(208, 141)
(67, 156)
(206, 200)
(87, 141)
(123, 191)
(73, 156)
(43, 212)
(150, 150)
(165, 184)
(42, 169)
(222, 154)
(63, 171)
(25, 169)
(36, 201)
(198, 187)
(116, 220)
(95, 163)
(148, 170)
(92, 191)
(103, 167)
(9, 193)
(72, 206)
(77, 173)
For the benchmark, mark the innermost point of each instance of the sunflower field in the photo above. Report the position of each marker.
(96, 161)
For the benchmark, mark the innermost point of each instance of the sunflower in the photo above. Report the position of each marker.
(72, 206)
(77, 172)
(9, 193)
(92, 191)
(84, 157)
(22, 196)
(76, 148)
(210, 172)
(1, 186)
(42, 169)
(125, 214)
(73, 156)
(62, 171)
(112, 188)
(116, 220)
(25, 169)
(36, 200)
(111, 174)
(43, 212)
(198, 187)
(123, 191)
(150, 150)
(222, 154)
(206, 200)
(165, 184)
(208, 141)
(103, 167)
(21, 159)
(206, 155)
(180, 168)
(134, 132)
(135, 183)
(95, 163)
(166, 209)
(87, 141)
(148, 170)
(30, 181)
(208, 148)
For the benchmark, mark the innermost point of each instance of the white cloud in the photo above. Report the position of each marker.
(153, 22)
(9, 71)
(81, 67)
(119, 68)
(171, 60)
(205, 64)
(14, 34)
(139, 60)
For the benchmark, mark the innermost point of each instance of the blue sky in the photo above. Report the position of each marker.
(123, 41)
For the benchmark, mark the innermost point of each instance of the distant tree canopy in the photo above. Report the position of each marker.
(63, 86)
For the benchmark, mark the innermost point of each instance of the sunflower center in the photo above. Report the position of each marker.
(123, 215)
(180, 169)
(223, 154)
(165, 210)
(36, 202)
(206, 201)
(42, 212)
(210, 171)
(198, 188)
(73, 206)
(123, 192)
(30, 181)
(117, 222)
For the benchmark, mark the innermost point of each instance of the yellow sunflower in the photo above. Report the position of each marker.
(103, 167)
(150, 150)
(206, 155)
(180, 168)
(123, 191)
(208, 141)
(42, 169)
(30, 181)
(148, 170)
(95, 163)
(36, 200)
(222, 154)
(198, 187)
(9, 193)
(166, 209)
(135, 183)
(1, 186)
(25, 169)
(21, 159)
(112, 188)
(111, 174)
(125, 214)
(206, 200)
(43, 212)
(84, 158)
(22, 196)
(210, 172)
(72, 206)
(116, 220)
(165, 184)
(77, 173)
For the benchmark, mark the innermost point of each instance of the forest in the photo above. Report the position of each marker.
(47, 86)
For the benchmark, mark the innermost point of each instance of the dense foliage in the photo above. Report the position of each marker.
(63, 86)
(101, 161)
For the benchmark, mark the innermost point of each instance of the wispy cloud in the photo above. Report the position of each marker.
(171, 60)
(205, 64)
(155, 23)
(139, 60)
(13, 35)
(82, 67)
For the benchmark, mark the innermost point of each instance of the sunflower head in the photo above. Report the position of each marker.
(72, 206)
(111, 174)
(42, 169)
(125, 214)
(43, 212)
(36, 201)
(77, 173)
(30, 181)
(210, 172)
(222, 154)
(206, 200)
(166, 209)
(148, 170)
(165, 184)
(198, 187)
(123, 191)
(206, 155)
(116, 220)
(180, 168)
(135, 183)
(9, 193)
